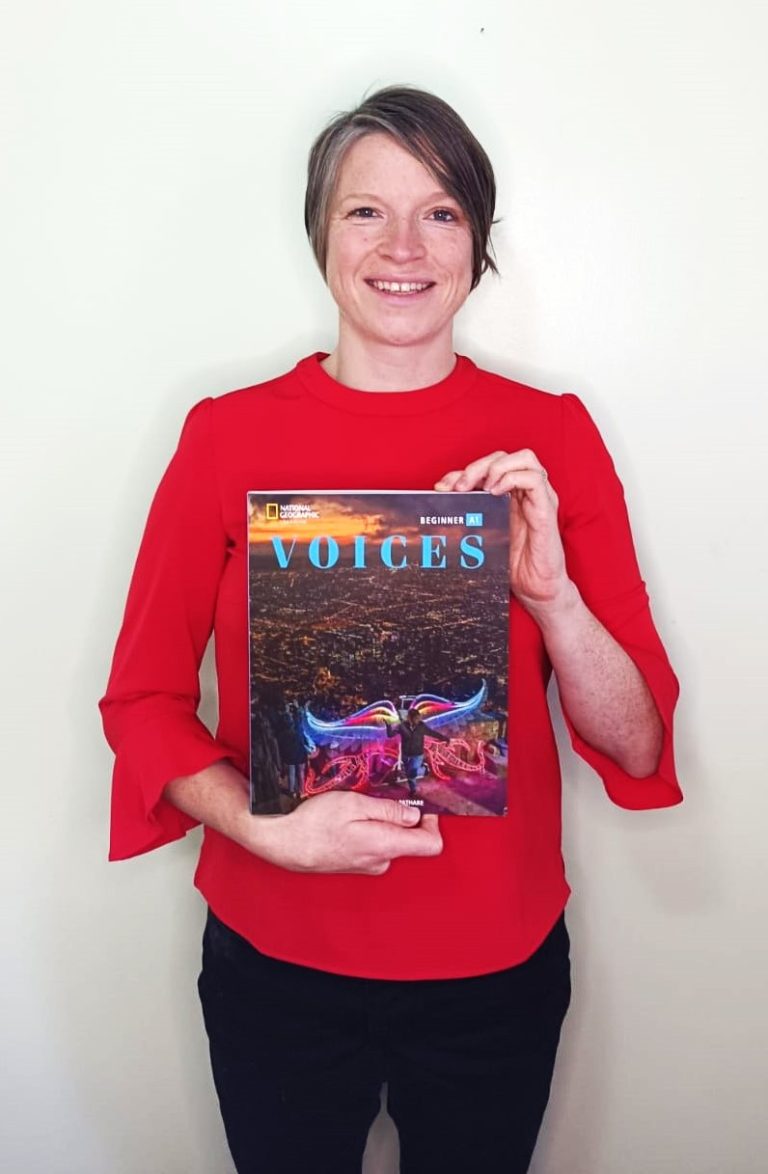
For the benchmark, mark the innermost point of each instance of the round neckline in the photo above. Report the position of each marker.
(385, 403)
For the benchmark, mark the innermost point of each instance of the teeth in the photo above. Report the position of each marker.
(400, 286)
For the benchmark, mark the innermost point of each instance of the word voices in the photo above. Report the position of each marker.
(324, 552)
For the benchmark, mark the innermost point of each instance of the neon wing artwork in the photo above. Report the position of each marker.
(364, 750)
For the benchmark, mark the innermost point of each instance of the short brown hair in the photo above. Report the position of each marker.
(433, 133)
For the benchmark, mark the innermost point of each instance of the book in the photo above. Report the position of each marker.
(379, 648)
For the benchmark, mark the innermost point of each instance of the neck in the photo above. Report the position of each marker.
(375, 366)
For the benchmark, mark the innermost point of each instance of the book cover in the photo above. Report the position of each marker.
(379, 648)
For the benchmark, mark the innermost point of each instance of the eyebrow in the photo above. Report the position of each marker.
(437, 195)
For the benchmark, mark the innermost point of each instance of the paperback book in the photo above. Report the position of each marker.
(379, 648)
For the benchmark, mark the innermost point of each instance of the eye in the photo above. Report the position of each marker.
(362, 213)
(445, 215)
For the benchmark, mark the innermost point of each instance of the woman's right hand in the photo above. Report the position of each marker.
(340, 831)
(343, 831)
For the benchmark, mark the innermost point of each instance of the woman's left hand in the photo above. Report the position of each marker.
(537, 571)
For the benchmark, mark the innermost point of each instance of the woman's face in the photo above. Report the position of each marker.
(390, 222)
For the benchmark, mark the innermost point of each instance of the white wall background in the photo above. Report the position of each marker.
(153, 253)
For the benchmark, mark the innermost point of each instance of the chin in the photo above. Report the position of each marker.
(408, 336)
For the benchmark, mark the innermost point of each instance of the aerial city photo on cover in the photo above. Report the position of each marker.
(379, 648)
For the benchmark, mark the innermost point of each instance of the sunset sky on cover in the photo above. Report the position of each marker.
(375, 515)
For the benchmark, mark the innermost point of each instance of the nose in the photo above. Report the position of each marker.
(402, 239)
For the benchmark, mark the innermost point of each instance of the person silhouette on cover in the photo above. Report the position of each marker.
(412, 731)
(293, 747)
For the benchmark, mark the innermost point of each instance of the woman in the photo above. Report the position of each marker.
(350, 942)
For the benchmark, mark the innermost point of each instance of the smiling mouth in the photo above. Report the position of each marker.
(400, 289)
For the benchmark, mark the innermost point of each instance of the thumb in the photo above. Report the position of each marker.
(390, 811)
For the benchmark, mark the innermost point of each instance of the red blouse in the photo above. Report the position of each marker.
(499, 885)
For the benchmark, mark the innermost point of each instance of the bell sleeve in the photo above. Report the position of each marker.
(149, 710)
(601, 560)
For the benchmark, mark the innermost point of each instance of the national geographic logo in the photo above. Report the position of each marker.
(289, 511)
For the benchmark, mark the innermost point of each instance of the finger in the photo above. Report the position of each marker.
(473, 474)
(448, 481)
(387, 842)
(388, 811)
(486, 468)
(419, 841)
(530, 480)
(512, 462)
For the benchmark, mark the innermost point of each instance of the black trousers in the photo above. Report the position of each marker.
(299, 1057)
